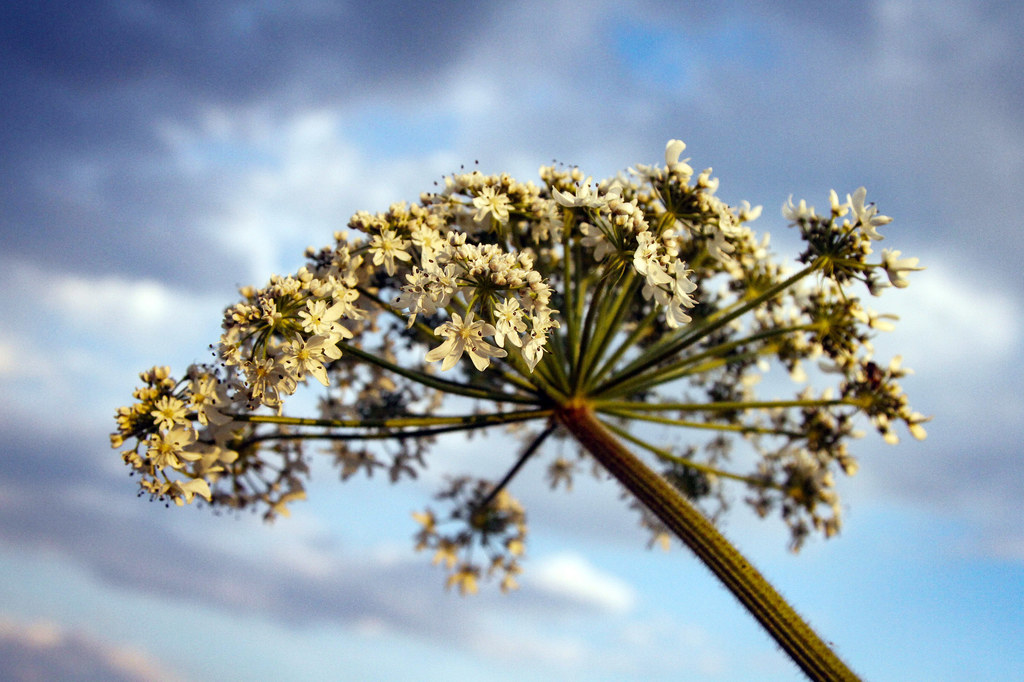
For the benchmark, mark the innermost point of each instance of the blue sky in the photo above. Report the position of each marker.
(156, 156)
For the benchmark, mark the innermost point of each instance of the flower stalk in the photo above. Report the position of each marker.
(814, 657)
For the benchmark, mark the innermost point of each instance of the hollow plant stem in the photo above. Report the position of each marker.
(783, 623)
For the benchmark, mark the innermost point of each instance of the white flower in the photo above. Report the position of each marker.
(798, 212)
(319, 319)
(673, 150)
(838, 210)
(308, 356)
(746, 213)
(647, 262)
(683, 287)
(267, 379)
(386, 247)
(166, 448)
(429, 240)
(427, 290)
(896, 268)
(708, 183)
(594, 239)
(866, 214)
(585, 197)
(492, 202)
(537, 339)
(465, 336)
(187, 490)
(533, 349)
(168, 412)
(208, 398)
(508, 317)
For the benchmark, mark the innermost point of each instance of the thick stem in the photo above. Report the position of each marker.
(788, 629)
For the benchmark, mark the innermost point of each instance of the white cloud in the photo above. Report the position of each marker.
(570, 575)
(128, 311)
(951, 320)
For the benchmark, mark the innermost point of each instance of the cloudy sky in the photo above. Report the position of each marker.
(157, 155)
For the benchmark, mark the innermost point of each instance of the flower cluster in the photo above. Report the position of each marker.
(485, 517)
(644, 297)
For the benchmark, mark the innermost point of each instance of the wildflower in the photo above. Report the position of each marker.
(585, 197)
(465, 579)
(796, 213)
(491, 202)
(673, 150)
(169, 412)
(896, 268)
(308, 355)
(673, 311)
(165, 448)
(182, 493)
(509, 323)
(317, 318)
(386, 247)
(465, 336)
(208, 398)
(866, 215)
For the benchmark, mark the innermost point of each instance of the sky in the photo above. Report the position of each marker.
(155, 156)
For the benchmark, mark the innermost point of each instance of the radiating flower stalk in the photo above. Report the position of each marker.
(635, 315)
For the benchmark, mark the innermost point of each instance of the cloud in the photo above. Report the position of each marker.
(573, 577)
(302, 579)
(45, 651)
(950, 320)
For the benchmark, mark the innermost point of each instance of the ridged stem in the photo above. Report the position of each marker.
(782, 622)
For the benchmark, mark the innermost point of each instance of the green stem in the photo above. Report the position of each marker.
(436, 382)
(586, 336)
(434, 426)
(782, 622)
(396, 422)
(664, 350)
(642, 328)
(668, 456)
(610, 322)
(722, 349)
(710, 426)
(727, 405)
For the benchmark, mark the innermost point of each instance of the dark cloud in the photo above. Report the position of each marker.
(86, 87)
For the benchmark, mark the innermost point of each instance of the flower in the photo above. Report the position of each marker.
(188, 489)
(166, 448)
(386, 247)
(208, 398)
(667, 296)
(465, 336)
(169, 412)
(317, 318)
(492, 202)
(866, 214)
(508, 317)
(896, 268)
(585, 197)
(308, 356)
(673, 150)
(796, 213)
(465, 579)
